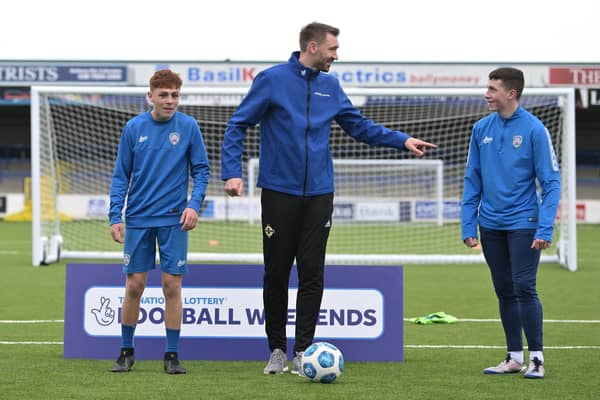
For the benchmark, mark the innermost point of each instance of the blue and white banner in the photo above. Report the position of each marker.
(366, 74)
(223, 315)
(233, 312)
(22, 74)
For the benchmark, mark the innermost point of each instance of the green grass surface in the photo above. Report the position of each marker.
(241, 237)
(39, 371)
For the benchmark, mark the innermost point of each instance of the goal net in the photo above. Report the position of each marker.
(389, 207)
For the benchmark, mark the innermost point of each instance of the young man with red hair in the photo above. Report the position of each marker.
(158, 152)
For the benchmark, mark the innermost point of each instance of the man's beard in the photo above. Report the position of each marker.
(323, 65)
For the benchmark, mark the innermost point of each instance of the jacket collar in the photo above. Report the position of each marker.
(305, 72)
(518, 112)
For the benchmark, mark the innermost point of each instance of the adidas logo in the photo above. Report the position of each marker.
(328, 224)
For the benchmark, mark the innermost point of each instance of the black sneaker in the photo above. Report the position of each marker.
(124, 362)
(172, 365)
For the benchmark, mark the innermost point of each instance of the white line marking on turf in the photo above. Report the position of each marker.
(408, 346)
(30, 342)
(477, 346)
(546, 321)
(572, 321)
(33, 321)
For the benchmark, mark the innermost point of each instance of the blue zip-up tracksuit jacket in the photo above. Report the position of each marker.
(506, 158)
(295, 106)
(154, 162)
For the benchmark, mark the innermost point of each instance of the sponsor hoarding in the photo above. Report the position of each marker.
(30, 74)
(349, 74)
(223, 316)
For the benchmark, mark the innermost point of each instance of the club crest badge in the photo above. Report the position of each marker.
(517, 141)
(174, 138)
(269, 231)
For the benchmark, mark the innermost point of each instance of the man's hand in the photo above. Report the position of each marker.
(234, 186)
(540, 244)
(418, 147)
(471, 242)
(117, 231)
(189, 219)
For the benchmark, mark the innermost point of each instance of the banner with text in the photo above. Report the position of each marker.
(223, 316)
(349, 74)
(30, 74)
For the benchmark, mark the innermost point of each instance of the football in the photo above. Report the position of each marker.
(322, 362)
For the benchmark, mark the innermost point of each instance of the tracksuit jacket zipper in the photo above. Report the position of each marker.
(306, 135)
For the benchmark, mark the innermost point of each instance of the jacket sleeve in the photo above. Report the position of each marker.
(548, 176)
(121, 176)
(249, 113)
(199, 168)
(365, 130)
(472, 189)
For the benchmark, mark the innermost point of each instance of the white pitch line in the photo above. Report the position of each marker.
(408, 346)
(33, 321)
(8, 252)
(546, 321)
(572, 321)
(477, 346)
(30, 342)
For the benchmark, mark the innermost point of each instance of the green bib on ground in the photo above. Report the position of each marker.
(435, 318)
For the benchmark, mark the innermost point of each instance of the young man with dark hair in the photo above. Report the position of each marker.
(295, 103)
(510, 155)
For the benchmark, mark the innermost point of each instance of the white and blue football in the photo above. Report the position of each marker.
(322, 362)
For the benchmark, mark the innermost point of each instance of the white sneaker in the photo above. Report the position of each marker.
(535, 370)
(508, 366)
(277, 363)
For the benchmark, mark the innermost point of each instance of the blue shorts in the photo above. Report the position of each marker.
(141, 244)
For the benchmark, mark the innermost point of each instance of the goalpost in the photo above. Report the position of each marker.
(389, 207)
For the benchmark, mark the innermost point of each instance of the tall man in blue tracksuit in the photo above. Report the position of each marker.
(512, 189)
(295, 103)
(158, 152)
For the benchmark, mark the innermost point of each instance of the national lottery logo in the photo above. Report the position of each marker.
(104, 313)
(174, 138)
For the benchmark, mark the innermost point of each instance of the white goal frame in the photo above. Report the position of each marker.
(435, 165)
(48, 248)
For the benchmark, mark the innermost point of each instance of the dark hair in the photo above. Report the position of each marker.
(166, 79)
(512, 78)
(315, 31)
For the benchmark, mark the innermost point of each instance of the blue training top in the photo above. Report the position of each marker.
(153, 166)
(295, 106)
(508, 159)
